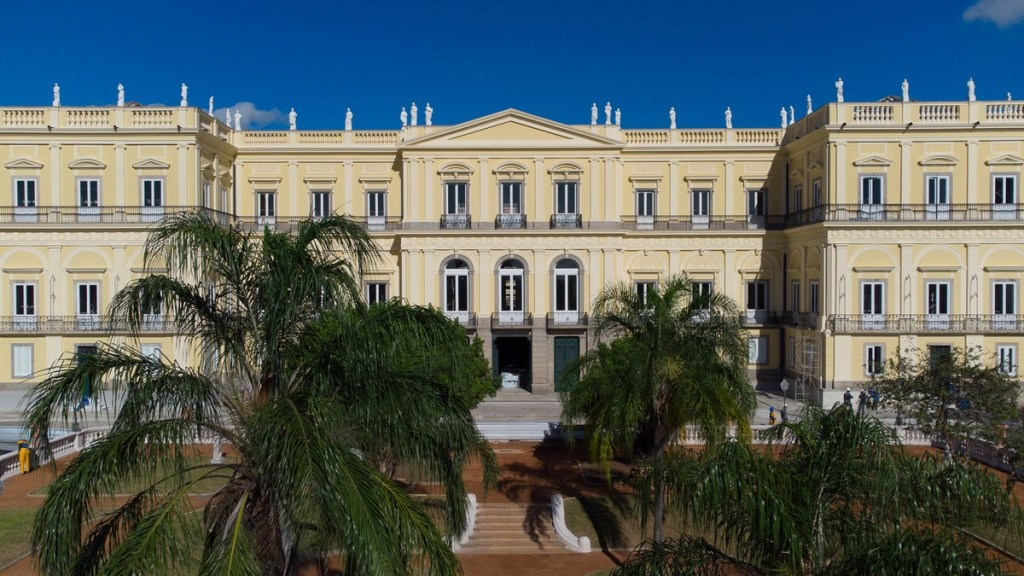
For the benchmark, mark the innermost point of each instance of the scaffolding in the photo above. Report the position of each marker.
(808, 354)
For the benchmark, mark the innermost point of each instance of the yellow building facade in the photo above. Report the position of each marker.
(862, 229)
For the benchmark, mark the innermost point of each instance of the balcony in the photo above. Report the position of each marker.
(465, 319)
(71, 215)
(456, 221)
(566, 221)
(939, 213)
(712, 222)
(510, 221)
(926, 323)
(511, 320)
(759, 318)
(566, 321)
(83, 323)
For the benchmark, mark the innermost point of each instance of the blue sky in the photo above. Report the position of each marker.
(472, 58)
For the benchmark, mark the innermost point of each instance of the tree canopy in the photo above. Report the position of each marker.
(305, 382)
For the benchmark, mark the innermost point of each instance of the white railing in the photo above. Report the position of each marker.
(873, 114)
(60, 446)
(471, 509)
(939, 113)
(1004, 112)
(575, 543)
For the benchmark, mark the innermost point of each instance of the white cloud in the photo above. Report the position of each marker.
(1002, 13)
(252, 117)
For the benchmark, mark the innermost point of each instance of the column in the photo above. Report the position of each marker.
(539, 192)
(485, 194)
(55, 175)
(346, 188)
(183, 199)
(972, 175)
(906, 195)
(119, 176)
(673, 188)
(293, 190)
(840, 197)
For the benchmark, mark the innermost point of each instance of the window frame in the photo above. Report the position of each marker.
(999, 196)
(1001, 304)
(874, 359)
(864, 192)
(456, 295)
(1006, 352)
(266, 206)
(376, 292)
(567, 197)
(567, 283)
(25, 192)
(452, 189)
(511, 194)
(15, 372)
(813, 296)
(319, 203)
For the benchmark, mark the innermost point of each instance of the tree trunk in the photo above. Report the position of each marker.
(659, 496)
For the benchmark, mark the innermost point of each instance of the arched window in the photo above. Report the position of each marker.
(456, 290)
(567, 291)
(510, 296)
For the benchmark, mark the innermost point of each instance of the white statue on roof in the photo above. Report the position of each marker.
(970, 90)
(728, 118)
(618, 116)
(792, 116)
(292, 117)
(906, 90)
(607, 113)
(209, 110)
(414, 112)
(184, 94)
(672, 118)
(839, 90)
(120, 94)
(782, 113)
(593, 114)
(348, 119)
(809, 107)
(405, 117)
(428, 115)
(227, 116)
(238, 120)
(56, 94)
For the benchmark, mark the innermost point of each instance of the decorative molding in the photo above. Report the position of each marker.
(264, 179)
(873, 161)
(140, 270)
(86, 163)
(939, 160)
(150, 164)
(873, 268)
(86, 270)
(23, 164)
(1005, 160)
(23, 270)
(566, 168)
(320, 179)
(646, 178)
(1003, 268)
(701, 178)
(939, 268)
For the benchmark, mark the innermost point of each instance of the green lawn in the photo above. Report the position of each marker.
(15, 528)
(611, 522)
(135, 485)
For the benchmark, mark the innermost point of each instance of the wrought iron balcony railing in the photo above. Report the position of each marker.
(566, 320)
(922, 323)
(937, 213)
(144, 215)
(511, 320)
(81, 323)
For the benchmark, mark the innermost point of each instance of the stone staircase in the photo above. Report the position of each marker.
(513, 529)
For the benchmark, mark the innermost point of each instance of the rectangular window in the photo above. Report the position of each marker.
(376, 292)
(152, 193)
(266, 207)
(511, 197)
(456, 291)
(937, 192)
(757, 302)
(794, 294)
(792, 352)
(798, 198)
(207, 186)
(816, 199)
(88, 193)
(566, 197)
(645, 202)
(874, 360)
(87, 305)
(701, 292)
(25, 192)
(755, 202)
(22, 362)
(1004, 298)
(757, 349)
(938, 297)
(24, 305)
(1006, 358)
(812, 296)
(455, 197)
(376, 209)
(1004, 189)
(644, 288)
(872, 193)
(320, 203)
(700, 208)
(872, 305)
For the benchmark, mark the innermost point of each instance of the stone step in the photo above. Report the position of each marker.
(503, 529)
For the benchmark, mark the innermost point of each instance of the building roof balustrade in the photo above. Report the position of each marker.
(165, 118)
(686, 222)
(926, 323)
(702, 137)
(941, 214)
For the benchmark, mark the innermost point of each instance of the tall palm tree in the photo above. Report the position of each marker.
(301, 486)
(679, 359)
(831, 494)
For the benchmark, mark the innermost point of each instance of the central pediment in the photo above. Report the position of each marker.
(511, 129)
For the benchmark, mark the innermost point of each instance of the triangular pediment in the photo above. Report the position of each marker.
(1005, 160)
(939, 160)
(511, 129)
(150, 164)
(86, 163)
(872, 161)
(23, 163)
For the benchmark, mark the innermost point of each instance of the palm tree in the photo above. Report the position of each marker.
(679, 359)
(830, 494)
(301, 487)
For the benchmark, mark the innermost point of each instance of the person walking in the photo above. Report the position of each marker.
(771, 415)
(862, 402)
(848, 399)
(23, 457)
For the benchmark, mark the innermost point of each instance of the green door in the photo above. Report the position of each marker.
(567, 349)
